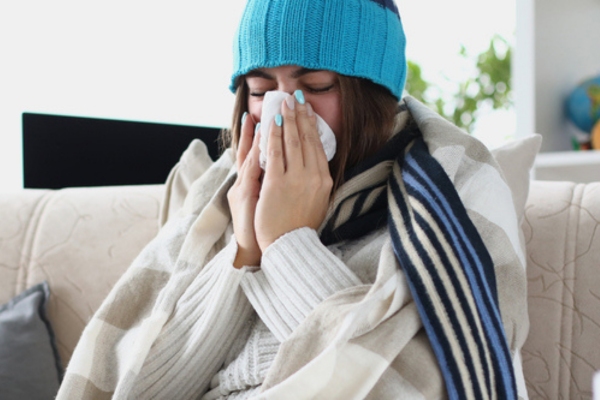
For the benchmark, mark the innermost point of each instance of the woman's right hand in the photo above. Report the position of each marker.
(243, 195)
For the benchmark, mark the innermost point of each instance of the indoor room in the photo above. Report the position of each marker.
(300, 199)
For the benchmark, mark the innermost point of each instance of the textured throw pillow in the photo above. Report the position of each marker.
(516, 159)
(29, 364)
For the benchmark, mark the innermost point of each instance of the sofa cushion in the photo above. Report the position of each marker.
(29, 363)
(80, 240)
(562, 231)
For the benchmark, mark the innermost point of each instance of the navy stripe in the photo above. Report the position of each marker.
(361, 220)
(457, 236)
(474, 266)
(433, 172)
(470, 314)
(436, 334)
(459, 329)
(477, 273)
(434, 331)
(418, 177)
(489, 313)
(359, 206)
(462, 332)
(389, 4)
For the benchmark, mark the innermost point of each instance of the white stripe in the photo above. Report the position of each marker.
(452, 292)
(427, 282)
(377, 173)
(371, 198)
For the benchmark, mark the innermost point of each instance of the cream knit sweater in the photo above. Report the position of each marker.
(296, 274)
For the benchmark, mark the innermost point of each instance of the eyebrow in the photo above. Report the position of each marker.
(296, 74)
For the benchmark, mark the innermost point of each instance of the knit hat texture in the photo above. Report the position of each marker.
(359, 38)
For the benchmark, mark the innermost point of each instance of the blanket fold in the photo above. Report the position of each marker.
(434, 320)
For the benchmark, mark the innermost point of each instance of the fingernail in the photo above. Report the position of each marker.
(299, 96)
(290, 102)
(309, 110)
(278, 120)
(257, 128)
(244, 117)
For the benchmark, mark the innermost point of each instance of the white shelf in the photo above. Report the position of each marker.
(576, 166)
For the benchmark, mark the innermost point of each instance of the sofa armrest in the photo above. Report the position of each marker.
(562, 232)
(80, 240)
(16, 211)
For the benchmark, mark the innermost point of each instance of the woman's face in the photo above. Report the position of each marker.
(320, 87)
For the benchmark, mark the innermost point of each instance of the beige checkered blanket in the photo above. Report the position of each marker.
(364, 342)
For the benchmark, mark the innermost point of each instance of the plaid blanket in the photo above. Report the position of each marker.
(446, 314)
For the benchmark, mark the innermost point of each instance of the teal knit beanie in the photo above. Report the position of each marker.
(359, 38)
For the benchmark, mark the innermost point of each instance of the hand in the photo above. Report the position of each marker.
(243, 196)
(297, 183)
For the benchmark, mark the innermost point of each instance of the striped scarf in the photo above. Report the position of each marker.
(448, 268)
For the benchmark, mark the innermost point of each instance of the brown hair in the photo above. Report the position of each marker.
(368, 114)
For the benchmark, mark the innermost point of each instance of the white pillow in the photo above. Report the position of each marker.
(516, 160)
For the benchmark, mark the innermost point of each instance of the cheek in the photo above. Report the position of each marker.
(255, 109)
(330, 111)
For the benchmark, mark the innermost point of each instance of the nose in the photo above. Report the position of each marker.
(288, 87)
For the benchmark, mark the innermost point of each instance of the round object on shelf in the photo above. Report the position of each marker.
(595, 136)
(583, 104)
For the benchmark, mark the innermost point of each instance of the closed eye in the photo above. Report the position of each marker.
(320, 89)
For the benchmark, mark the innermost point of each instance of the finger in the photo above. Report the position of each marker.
(251, 167)
(320, 158)
(311, 142)
(291, 139)
(246, 139)
(275, 153)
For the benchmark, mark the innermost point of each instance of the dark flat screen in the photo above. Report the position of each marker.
(67, 151)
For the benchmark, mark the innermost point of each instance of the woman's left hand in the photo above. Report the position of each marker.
(297, 183)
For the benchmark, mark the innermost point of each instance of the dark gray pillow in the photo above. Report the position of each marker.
(29, 363)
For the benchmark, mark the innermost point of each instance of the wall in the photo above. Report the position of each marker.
(560, 42)
(134, 60)
(170, 61)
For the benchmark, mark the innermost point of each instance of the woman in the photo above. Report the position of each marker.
(366, 277)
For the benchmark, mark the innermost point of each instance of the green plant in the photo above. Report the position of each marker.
(489, 86)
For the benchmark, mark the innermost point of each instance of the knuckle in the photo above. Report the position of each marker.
(292, 142)
(314, 184)
(231, 195)
(302, 110)
(311, 138)
(277, 132)
(328, 183)
(275, 153)
(289, 118)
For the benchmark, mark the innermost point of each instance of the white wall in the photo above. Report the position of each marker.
(523, 68)
(169, 61)
(564, 46)
(135, 60)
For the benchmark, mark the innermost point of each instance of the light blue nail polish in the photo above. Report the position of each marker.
(257, 128)
(244, 117)
(278, 120)
(299, 96)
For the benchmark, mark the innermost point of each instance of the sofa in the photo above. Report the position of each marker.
(73, 244)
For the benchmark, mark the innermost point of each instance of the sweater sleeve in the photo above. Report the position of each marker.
(297, 273)
(193, 344)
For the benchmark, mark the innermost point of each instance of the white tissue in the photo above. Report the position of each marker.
(272, 106)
